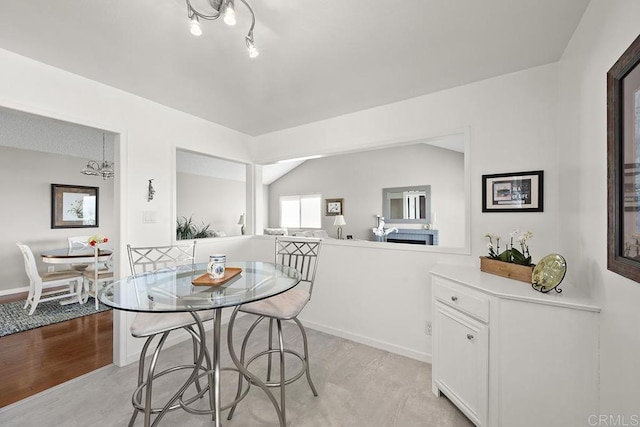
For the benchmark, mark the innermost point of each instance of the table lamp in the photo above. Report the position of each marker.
(339, 222)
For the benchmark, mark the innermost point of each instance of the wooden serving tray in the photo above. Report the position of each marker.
(205, 280)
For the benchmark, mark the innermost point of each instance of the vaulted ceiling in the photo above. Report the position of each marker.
(318, 59)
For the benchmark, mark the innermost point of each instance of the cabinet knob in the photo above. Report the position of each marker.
(469, 337)
(454, 298)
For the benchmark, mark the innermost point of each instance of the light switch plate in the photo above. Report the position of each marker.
(149, 217)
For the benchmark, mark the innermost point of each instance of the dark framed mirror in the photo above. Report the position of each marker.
(623, 164)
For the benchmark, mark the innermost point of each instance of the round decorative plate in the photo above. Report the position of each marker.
(548, 273)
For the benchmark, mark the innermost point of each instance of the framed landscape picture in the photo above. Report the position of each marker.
(74, 206)
(513, 192)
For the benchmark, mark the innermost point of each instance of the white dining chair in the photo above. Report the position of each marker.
(150, 325)
(79, 243)
(93, 279)
(63, 284)
(301, 254)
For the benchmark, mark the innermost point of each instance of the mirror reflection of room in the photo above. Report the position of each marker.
(429, 175)
(210, 196)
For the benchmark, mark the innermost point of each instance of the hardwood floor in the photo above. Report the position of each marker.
(35, 360)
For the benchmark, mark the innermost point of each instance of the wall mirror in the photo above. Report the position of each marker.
(210, 196)
(623, 164)
(436, 168)
(407, 205)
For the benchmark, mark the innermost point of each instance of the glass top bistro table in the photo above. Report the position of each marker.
(171, 290)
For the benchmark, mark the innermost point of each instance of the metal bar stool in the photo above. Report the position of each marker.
(151, 325)
(301, 254)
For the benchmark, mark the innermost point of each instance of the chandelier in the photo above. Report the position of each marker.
(219, 8)
(93, 168)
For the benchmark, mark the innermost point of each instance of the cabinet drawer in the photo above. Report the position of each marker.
(466, 300)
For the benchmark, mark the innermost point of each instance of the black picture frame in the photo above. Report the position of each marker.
(74, 206)
(513, 192)
(623, 164)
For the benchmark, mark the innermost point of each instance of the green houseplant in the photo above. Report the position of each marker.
(186, 229)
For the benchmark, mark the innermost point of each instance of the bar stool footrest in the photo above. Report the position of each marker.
(288, 381)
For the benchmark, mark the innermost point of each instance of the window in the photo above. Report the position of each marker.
(301, 211)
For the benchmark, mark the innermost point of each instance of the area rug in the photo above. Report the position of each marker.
(15, 319)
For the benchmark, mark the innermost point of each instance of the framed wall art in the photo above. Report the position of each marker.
(623, 164)
(513, 192)
(334, 207)
(74, 206)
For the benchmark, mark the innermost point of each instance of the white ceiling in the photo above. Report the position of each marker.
(200, 164)
(37, 133)
(318, 59)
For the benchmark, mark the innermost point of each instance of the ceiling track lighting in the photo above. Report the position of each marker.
(225, 8)
(93, 168)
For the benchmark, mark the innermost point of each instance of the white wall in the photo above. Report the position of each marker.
(214, 201)
(380, 294)
(149, 136)
(25, 185)
(606, 30)
(360, 177)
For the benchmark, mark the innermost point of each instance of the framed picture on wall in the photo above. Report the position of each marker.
(623, 164)
(74, 206)
(334, 207)
(513, 192)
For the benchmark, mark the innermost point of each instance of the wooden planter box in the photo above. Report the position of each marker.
(506, 269)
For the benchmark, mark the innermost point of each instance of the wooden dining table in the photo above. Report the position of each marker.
(74, 256)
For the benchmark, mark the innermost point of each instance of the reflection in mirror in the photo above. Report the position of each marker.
(210, 196)
(436, 166)
(407, 205)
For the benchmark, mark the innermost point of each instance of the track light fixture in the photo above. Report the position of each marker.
(227, 9)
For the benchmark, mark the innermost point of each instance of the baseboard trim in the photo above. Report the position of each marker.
(4, 292)
(382, 345)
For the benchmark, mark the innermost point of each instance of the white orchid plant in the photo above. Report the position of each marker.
(511, 254)
(380, 231)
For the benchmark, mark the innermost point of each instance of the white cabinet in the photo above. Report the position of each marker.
(462, 367)
(507, 355)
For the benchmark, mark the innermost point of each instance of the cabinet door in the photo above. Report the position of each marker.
(461, 361)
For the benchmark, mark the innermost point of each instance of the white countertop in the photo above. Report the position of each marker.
(571, 297)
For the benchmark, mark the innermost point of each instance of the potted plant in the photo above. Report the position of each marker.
(186, 229)
(512, 263)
